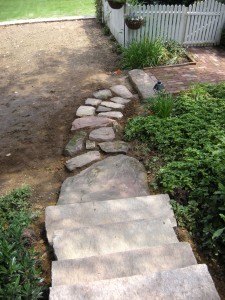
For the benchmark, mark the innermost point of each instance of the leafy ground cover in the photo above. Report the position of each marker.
(20, 9)
(20, 274)
(188, 148)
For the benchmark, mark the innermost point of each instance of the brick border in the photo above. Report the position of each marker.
(188, 55)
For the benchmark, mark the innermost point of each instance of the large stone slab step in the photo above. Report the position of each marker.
(115, 177)
(122, 264)
(111, 238)
(193, 282)
(87, 214)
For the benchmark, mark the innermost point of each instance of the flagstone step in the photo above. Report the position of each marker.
(115, 177)
(88, 214)
(193, 282)
(122, 264)
(111, 238)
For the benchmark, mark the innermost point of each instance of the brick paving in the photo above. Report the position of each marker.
(210, 67)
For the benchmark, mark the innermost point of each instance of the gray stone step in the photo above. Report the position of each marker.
(143, 83)
(111, 238)
(122, 264)
(88, 214)
(193, 282)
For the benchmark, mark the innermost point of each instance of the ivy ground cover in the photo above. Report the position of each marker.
(190, 144)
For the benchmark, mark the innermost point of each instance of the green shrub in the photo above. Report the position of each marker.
(192, 144)
(20, 275)
(161, 105)
(147, 53)
(98, 10)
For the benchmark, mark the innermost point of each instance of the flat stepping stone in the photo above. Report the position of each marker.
(112, 105)
(102, 134)
(91, 122)
(120, 100)
(142, 83)
(92, 101)
(83, 111)
(103, 109)
(128, 263)
(82, 160)
(192, 282)
(121, 91)
(115, 177)
(90, 145)
(111, 114)
(103, 94)
(75, 144)
(83, 214)
(112, 238)
(114, 147)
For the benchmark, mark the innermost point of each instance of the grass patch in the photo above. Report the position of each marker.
(20, 274)
(147, 53)
(191, 144)
(20, 9)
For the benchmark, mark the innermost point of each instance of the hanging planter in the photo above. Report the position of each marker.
(116, 4)
(134, 21)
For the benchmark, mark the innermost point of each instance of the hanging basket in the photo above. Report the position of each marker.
(134, 24)
(115, 5)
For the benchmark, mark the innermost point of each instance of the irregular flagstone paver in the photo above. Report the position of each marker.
(82, 160)
(142, 83)
(120, 100)
(111, 114)
(90, 145)
(103, 94)
(121, 91)
(92, 101)
(114, 147)
(75, 144)
(83, 111)
(103, 109)
(192, 282)
(112, 105)
(90, 122)
(115, 177)
(102, 134)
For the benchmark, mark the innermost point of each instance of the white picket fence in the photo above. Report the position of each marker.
(199, 24)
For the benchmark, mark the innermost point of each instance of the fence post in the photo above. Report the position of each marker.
(221, 24)
(183, 24)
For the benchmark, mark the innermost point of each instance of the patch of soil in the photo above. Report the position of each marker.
(46, 71)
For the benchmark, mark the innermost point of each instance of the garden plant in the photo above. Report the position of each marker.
(189, 142)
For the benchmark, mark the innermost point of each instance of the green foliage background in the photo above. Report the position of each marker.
(192, 144)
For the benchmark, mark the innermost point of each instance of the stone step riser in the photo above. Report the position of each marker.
(123, 264)
(87, 214)
(193, 282)
(111, 238)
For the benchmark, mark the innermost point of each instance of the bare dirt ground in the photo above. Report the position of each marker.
(46, 71)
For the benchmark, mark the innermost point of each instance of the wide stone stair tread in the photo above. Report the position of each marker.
(87, 214)
(111, 238)
(193, 282)
(122, 264)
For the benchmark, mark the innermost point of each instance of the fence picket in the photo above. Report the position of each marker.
(199, 24)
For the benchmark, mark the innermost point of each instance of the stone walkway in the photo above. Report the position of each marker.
(112, 240)
(209, 68)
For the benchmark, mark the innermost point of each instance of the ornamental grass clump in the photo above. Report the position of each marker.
(148, 53)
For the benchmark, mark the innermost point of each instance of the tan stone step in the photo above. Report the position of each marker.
(193, 282)
(122, 264)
